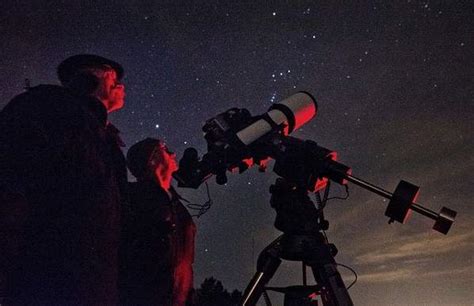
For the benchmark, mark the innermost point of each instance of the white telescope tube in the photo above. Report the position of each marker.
(293, 112)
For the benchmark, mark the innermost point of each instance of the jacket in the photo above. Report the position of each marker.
(62, 186)
(158, 249)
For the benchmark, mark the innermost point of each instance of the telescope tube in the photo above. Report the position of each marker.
(293, 112)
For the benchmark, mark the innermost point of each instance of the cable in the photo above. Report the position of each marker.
(322, 202)
(326, 192)
(266, 298)
(353, 271)
(325, 236)
(341, 198)
(200, 208)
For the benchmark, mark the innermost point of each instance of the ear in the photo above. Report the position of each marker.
(83, 84)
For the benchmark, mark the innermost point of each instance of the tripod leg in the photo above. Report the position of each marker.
(334, 292)
(267, 264)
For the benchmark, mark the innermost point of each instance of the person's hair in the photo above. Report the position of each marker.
(73, 64)
(87, 79)
(80, 72)
(140, 155)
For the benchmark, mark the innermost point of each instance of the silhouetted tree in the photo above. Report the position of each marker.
(212, 293)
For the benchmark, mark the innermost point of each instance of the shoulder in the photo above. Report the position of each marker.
(147, 191)
(43, 92)
(41, 100)
(148, 202)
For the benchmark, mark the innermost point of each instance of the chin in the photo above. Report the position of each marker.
(115, 105)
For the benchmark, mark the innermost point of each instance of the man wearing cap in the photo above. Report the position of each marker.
(158, 244)
(62, 188)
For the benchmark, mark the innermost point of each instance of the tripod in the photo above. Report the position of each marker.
(302, 240)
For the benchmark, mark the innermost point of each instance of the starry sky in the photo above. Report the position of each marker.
(394, 83)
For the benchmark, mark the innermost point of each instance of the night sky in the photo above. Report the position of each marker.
(394, 84)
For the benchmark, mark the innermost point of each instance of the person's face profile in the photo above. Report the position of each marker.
(164, 158)
(110, 90)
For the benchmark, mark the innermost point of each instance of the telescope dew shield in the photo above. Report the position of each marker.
(293, 112)
(298, 109)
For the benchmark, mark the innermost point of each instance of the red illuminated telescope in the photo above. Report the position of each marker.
(235, 136)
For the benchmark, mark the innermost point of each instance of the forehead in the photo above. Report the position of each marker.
(162, 145)
(162, 148)
(104, 71)
(158, 151)
(159, 147)
(110, 73)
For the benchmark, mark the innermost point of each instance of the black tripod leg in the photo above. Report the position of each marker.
(267, 264)
(334, 292)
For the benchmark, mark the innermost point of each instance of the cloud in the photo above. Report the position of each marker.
(419, 246)
(413, 257)
(387, 276)
(412, 274)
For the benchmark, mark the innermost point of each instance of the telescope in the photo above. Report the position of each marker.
(236, 140)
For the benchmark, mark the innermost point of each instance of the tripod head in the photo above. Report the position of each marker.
(236, 140)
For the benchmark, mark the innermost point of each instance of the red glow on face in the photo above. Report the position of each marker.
(163, 161)
(110, 91)
(168, 159)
